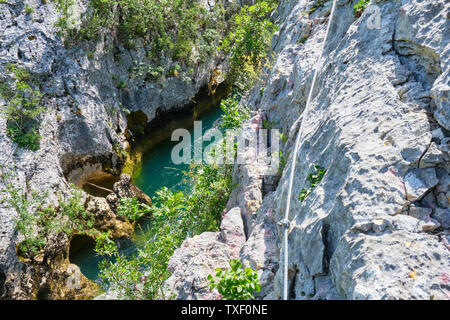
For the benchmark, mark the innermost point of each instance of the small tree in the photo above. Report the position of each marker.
(132, 209)
(236, 283)
(23, 107)
(248, 42)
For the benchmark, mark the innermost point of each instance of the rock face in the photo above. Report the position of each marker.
(84, 126)
(376, 226)
(369, 125)
(199, 256)
(124, 188)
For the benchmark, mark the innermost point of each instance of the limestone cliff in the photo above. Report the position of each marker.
(377, 225)
(84, 130)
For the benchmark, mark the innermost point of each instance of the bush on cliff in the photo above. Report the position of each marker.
(23, 107)
(36, 219)
(236, 283)
(175, 216)
(248, 42)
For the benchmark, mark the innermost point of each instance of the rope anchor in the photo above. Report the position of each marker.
(285, 223)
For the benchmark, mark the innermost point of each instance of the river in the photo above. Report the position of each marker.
(156, 171)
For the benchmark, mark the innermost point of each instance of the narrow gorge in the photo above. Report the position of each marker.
(92, 205)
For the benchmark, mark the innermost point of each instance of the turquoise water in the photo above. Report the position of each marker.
(157, 171)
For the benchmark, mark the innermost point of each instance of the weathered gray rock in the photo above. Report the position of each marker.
(200, 255)
(432, 157)
(420, 212)
(419, 181)
(443, 216)
(442, 200)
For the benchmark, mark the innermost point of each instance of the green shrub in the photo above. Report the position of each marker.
(132, 209)
(174, 217)
(236, 283)
(235, 113)
(314, 179)
(248, 42)
(358, 8)
(23, 107)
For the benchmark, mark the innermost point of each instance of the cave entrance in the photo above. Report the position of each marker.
(82, 253)
(99, 184)
(80, 242)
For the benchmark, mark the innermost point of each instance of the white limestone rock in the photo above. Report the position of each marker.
(419, 181)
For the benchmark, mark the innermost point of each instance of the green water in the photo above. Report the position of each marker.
(157, 171)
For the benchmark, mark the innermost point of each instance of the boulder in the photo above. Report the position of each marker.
(419, 181)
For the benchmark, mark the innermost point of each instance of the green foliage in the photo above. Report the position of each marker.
(23, 107)
(248, 42)
(171, 27)
(132, 209)
(314, 179)
(235, 113)
(174, 70)
(174, 217)
(75, 218)
(236, 283)
(283, 161)
(36, 219)
(358, 8)
(269, 124)
(283, 137)
(28, 9)
(104, 246)
(146, 71)
(318, 4)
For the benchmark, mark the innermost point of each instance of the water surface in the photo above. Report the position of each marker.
(157, 171)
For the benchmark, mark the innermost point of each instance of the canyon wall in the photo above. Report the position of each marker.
(377, 225)
(84, 127)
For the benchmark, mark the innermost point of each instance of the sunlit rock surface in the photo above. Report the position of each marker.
(376, 227)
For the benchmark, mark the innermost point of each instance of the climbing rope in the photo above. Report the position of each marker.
(285, 222)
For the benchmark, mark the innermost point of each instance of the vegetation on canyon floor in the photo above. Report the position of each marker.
(175, 216)
(171, 29)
